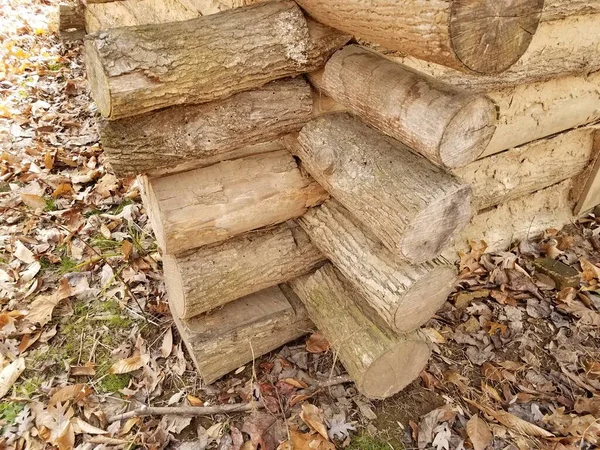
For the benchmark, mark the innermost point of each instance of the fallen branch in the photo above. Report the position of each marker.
(186, 410)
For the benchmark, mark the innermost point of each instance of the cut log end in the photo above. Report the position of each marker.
(469, 132)
(433, 227)
(174, 283)
(395, 369)
(490, 36)
(97, 78)
(422, 301)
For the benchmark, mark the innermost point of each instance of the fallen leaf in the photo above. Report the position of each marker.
(479, 433)
(167, 344)
(307, 441)
(126, 249)
(23, 253)
(33, 201)
(88, 369)
(10, 374)
(313, 417)
(82, 426)
(74, 393)
(40, 310)
(317, 343)
(62, 189)
(128, 365)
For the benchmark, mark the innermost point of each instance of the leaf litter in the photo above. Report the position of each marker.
(85, 332)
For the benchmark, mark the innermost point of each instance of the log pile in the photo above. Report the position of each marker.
(296, 178)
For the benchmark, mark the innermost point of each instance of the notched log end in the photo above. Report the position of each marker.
(489, 37)
(469, 132)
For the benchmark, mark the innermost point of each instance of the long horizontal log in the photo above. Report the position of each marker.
(134, 70)
(449, 126)
(559, 48)
(469, 36)
(380, 362)
(71, 22)
(412, 206)
(213, 275)
(519, 219)
(527, 169)
(394, 293)
(212, 204)
(200, 135)
(241, 331)
(560, 9)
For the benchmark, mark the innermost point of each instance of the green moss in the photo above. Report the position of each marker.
(29, 385)
(50, 204)
(113, 383)
(105, 245)
(54, 66)
(118, 209)
(10, 410)
(366, 442)
(66, 265)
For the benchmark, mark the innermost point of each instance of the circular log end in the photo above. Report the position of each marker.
(489, 36)
(469, 132)
(396, 368)
(174, 284)
(432, 229)
(97, 78)
(424, 298)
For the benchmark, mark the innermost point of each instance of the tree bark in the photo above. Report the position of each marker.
(469, 36)
(559, 9)
(213, 275)
(242, 331)
(559, 48)
(127, 13)
(71, 23)
(412, 206)
(134, 70)
(200, 135)
(402, 296)
(215, 203)
(380, 363)
(519, 219)
(399, 101)
(527, 169)
(586, 186)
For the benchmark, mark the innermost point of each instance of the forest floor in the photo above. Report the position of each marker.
(85, 331)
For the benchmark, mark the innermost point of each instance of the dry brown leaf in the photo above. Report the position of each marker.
(479, 433)
(88, 369)
(74, 393)
(313, 417)
(194, 401)
(81, 426)
(167, 344)
(23, 253)
(126, 249)
(10, 374)
(317, 343)
(42, 307)
(308, 441)
(48, 161)
(128, 365)
(296, 383)
(33, 201)
(62, 189)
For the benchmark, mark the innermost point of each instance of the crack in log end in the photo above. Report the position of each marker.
(489, 36)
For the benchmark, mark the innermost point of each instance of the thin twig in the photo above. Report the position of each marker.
(187, 410)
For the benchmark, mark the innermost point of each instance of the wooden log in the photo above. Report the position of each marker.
(127, 13)
(200, 135)
(469, 36)
(559, 48)
(559, 9)
(524, 170)
(519, 219)
(133, 70)
(241, 331)
(71, 23)
(380, 362)
(215, 203)
(394, 294)
(412, 206)
(586, 189)
(535, 110)
(213, 275)
(399, 101)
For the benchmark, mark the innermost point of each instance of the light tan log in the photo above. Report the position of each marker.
(395, 294)
(127, 13)
(412, 206)
(532, 111)
(519, 219)
(215, 203)
(559, 48)
(241, 331)
(560, 9)
(449, 126)
(208, 277)
(200, 135)
(380, 362)
(523, 170)
(471, 36)
(586, 189)
(71, 23)
(133, 70)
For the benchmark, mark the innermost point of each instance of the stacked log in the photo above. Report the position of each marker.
(278, 205)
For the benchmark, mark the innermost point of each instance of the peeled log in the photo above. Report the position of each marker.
(399, 101)
(200, 135)
(559, 48)
(215, 203)
(133, 70)
(242, 331)
(213, 275)
(380, 363)
(402, 296)
(412, 206)
(478, 36)
(527, 169)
